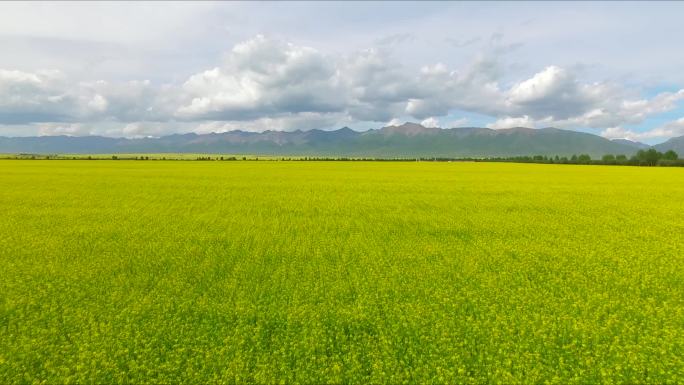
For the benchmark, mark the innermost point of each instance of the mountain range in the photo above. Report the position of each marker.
(406, 140)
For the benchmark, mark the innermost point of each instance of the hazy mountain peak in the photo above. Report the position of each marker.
(676, 144)
(525, 130)
(345, 130)
(410, 129)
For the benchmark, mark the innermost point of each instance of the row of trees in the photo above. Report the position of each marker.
(219, 158)
(650, 157)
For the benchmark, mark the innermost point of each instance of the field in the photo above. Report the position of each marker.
(340, 272)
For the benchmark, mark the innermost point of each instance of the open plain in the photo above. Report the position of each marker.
(340, 272)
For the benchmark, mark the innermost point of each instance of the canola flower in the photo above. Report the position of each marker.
(340, 272)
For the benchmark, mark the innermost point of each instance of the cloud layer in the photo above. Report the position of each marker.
(269, 83)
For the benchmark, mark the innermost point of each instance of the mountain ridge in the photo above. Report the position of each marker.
(405, 140)
(675, 144)
(638, 145)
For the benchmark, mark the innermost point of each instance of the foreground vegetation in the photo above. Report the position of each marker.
(340, 272)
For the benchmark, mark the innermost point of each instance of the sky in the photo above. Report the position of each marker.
(136, 69)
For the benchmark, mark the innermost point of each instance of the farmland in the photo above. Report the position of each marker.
(340, 272)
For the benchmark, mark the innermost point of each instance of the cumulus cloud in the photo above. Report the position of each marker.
(263, 77)
(69, 129)
(430, 122)
(510, 122)
(675, 128)
(51, 96)
(267, 78)
(668, 130)
(271, 84)
(98, 103)
(393, 122)
(555, 93)
(378, 87)
(554, 97)
(34, 96)
(301, 121)
(611, 109)
(143, 129)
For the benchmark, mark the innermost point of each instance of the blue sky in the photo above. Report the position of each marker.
(150, 69)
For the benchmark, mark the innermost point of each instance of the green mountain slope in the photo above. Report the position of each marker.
(407, 140)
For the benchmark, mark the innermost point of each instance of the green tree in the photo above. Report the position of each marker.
(670, 155)
(584, 158)
(608, 158)
(648, 157)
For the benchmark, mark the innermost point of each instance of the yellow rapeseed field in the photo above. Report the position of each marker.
(340, 272)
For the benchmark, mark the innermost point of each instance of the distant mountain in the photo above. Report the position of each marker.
(675, 144)
(406, 140)
(409, 129)
(638, 145)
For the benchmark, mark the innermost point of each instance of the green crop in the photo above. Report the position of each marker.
(340, 272)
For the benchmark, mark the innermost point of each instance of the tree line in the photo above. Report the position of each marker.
(650, 157)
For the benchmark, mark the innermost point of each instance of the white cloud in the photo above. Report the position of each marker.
(263, 77)
(39, 96)
(98, 103)
(393, 122)
(613, 110)
(472, 89)
(619, 133)
(675, 128)
(51, 96)
(430, 122)
(132, 101)
(668, 130)
(143, 129)
(548, 83)
(554, 97)
(377, 86)
(73, 129)
(510, 122)
(554, 93)
(302, 121)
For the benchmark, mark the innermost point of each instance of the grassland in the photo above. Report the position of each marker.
(340, 272)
